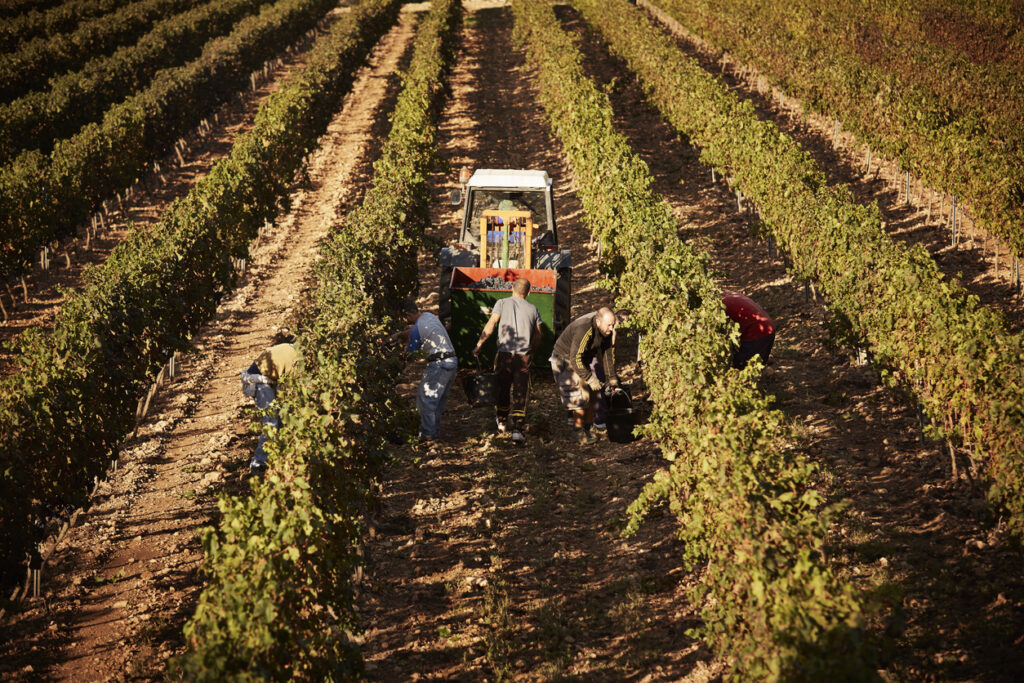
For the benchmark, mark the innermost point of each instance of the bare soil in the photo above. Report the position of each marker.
(126, 576)
(921, 542)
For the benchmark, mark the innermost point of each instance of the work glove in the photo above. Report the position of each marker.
(594, 383)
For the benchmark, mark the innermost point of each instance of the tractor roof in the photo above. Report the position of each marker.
(510, 178)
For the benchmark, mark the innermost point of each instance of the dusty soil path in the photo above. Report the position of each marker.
(148, 202)
(982, 267)
(490, 561)
(921, 540)
(126, 577)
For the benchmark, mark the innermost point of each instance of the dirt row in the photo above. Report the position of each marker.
(151, 198)
(126, 577)
(495, 562)
(982, 265)
(922, 542)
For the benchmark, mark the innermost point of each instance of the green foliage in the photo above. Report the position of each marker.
(72, 399)
(279, 603)
(45, 22)
(956, 356)
(43, 197)
(952, 120)
(16, 8)
(37, 60)
(39, 118)
(740, 493)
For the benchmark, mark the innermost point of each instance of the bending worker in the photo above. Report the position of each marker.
(428, 333)
(260, 382)
(519, 333)
(757, 329)
(587, 337)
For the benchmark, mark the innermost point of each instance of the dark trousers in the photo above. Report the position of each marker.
(747, 350)
(512, 379)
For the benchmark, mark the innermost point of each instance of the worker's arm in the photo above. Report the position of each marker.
(487, 332)
(535, 340)
(579, 349)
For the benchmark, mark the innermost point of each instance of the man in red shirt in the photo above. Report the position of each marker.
(757, 329)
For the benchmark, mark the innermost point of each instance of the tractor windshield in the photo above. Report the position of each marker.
(481, 200)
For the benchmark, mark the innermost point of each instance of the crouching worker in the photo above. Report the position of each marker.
(588, 337)
(757, 329)
(519, 333)
(260, 383)
(429, 335)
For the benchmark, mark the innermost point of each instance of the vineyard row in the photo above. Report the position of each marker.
(72, 400)
(952, 121)
(35, 62)
(740, 493)
(13, 8)
(925, 332)
(38, 119)
(283, 563)
(46, 197)
(62, 18)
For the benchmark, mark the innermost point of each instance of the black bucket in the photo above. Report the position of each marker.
(479, 387)
(620, 419)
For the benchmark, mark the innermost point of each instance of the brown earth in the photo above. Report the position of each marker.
(922, 541)
(126, 576)
(496, 562)
(148, 201)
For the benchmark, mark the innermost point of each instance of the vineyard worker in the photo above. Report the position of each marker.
(260, 382)
(757, 329)
(586, 338)
(519, 333)
(429, 335)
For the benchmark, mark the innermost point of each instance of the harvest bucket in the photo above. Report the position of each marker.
(620, 419)
(479, 387)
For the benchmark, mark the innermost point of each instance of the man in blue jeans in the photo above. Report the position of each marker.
(429, 335)
(259, 382)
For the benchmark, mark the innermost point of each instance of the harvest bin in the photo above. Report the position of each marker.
(472, 304)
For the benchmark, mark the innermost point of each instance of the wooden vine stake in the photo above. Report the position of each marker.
(952, 459)
(956, 235)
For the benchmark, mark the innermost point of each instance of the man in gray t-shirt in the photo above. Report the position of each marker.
(519, 333)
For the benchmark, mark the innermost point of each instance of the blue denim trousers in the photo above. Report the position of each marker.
(265, 395)
(433, 394)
